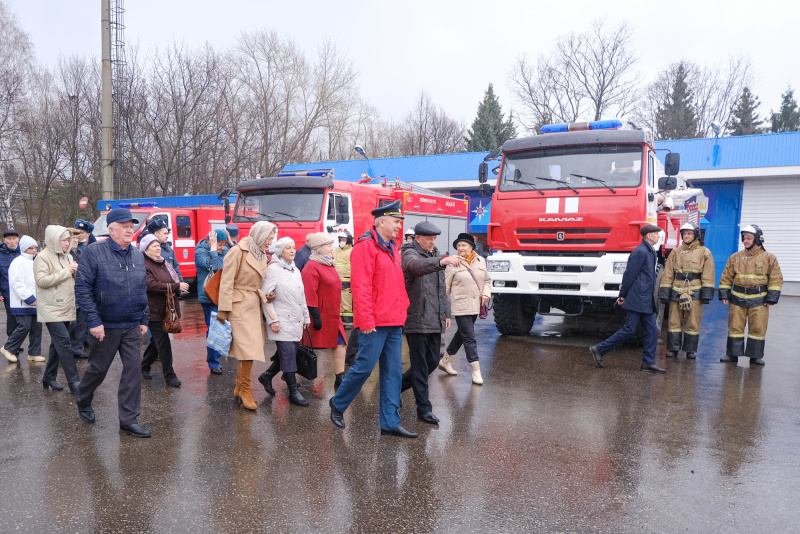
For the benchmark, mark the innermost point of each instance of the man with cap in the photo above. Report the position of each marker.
(9, 250)
(428, 313)
(637, 298)
(208, 256)
(687, 284)
(85, 237)
(750, 284)
(380, 303)
(159, 227)
(233, 234)
(111, 289)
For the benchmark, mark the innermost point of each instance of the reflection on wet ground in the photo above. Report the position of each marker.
(548, 444)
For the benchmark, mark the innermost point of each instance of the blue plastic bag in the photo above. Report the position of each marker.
(219, 335)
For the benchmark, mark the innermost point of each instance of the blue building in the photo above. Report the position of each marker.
(751, 179)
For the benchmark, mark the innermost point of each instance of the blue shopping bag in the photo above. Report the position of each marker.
(219, 335)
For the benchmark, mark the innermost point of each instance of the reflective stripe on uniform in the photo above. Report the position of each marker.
(759, 338)
(745, 296)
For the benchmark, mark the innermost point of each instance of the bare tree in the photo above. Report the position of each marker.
(428, 130)
(588, 75)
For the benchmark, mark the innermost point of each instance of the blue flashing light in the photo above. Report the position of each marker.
(138, 205)
(609, 124)
(303, 173)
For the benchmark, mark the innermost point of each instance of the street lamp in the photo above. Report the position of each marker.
(360, 150)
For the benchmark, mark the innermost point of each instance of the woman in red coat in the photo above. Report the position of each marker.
(324, 297)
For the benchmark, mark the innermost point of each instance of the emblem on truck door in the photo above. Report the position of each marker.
(560, 236)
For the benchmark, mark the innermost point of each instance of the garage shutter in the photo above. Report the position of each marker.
(772, 204)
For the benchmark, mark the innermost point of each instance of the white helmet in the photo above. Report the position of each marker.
(409, 232)
(691, 227)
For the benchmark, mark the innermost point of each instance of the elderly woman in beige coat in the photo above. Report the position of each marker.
(240, 300)
(469, 286)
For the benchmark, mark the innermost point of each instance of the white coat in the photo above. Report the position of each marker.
(22, 285)
(289, 307)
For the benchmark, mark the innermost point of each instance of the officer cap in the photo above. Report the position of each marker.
(233, 230)
(426, 228)
(395, 209)
(154, 225)
(86, 226)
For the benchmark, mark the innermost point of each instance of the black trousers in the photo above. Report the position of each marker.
(77, 332)
(423, 351)
(11, 320)
(352, 347)
(128, 341)
(26, 326)
(60, 352)
(465, 335)
(159, 347)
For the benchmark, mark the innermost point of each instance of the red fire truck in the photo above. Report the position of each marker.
(566, 213)
(302, 202)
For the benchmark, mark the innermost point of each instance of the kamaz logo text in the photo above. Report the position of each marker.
(560, 219)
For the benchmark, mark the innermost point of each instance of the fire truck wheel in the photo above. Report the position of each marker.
(514, 314)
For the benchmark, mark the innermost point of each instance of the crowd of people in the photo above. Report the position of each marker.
(106, 295)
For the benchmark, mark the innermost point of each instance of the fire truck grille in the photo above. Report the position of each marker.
(562, 241)
(561, 287)
(565, 230)
(561, 268)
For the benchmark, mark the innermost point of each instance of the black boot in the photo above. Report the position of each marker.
(294, 393)
(338, 381)
(266, 377)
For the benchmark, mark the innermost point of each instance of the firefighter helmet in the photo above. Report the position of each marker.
(342, 233)
(691, 227)
(409, 232)
(756, 232)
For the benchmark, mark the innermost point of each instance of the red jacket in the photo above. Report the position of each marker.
(324, 291)
(376, 280)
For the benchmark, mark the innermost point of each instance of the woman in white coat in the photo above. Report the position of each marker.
(469, 287)
(287, 317)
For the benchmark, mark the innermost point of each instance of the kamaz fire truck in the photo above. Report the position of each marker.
(566, 213)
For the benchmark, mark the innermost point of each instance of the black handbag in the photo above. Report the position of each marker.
(306, 358)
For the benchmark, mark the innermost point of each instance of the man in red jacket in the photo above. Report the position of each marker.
(380, 303)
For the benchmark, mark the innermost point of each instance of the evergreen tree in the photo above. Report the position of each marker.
(489, 130)
(744, 119)
(676, 118)
(788, 119)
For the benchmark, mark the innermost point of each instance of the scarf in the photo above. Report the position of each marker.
(288, 265)
(258, 234)
(470, 257)
(324, 260)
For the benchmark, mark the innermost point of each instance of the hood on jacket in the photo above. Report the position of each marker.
(52, 238)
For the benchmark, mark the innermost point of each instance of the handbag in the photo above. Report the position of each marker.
(306, 358)
(212, 284)
(172, 323)
(484, 312)
(219, 335)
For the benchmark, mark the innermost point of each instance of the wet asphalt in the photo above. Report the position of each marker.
(548, 444)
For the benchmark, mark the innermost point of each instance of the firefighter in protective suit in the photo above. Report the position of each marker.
(687, 284)
(751, 283)
(342, 258)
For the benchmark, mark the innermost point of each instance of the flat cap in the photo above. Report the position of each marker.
(426, 228)
(395, 209)
(120, 215)
(649, 228)
(10, 232)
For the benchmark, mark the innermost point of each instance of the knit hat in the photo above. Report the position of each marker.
(146, 240)
(280, 244)
(221, 235)
(318, 239)
(26, 242)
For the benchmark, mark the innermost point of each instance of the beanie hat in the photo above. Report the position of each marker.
(146, 240)
(318, 239)
(26, 242)
(221, 235)
(280, 244)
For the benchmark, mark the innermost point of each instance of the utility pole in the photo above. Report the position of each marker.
(106, 117)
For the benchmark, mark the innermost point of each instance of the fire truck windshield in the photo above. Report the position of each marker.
(572, 167)
(279, 205)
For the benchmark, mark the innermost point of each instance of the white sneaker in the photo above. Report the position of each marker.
(10, 356)
(36, 358)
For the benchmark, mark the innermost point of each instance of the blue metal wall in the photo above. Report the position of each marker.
(721, 221)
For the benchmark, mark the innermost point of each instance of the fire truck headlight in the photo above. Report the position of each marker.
(619, 267)
(498, 266)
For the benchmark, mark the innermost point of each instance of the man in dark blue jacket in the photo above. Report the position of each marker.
(637, 298)
(110, 288)
(9, 250)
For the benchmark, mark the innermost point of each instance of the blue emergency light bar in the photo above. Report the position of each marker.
(139, 205)
(322, 173)
(610, 124)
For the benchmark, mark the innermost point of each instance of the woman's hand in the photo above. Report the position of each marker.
(184, 287)
(276, 327)
(222, 316)
(484, 299)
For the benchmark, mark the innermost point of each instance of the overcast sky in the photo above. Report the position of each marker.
(452, 49)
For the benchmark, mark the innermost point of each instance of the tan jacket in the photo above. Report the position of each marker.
(688, 267)
(751, 278)
(243, 300)
(465, 295)
(55, 285)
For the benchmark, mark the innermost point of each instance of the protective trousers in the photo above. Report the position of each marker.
(756, 319)
(684, 326)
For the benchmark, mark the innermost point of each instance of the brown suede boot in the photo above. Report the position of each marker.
(243, 378)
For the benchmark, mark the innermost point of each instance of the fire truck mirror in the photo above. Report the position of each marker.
(342, 210)
(485, 190)
(667, 183)
(672, 164)
(483, 172)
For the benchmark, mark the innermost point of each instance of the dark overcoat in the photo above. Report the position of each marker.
(639, 280)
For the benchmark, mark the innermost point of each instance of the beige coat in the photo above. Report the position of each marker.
(465, 297)
(55, 285)
(243, 300)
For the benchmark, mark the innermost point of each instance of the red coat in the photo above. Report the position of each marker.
(376, 280)
(324, 291)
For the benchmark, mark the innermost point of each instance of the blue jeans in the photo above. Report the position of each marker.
(212, 356)
(632, 320)
(386, 345)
